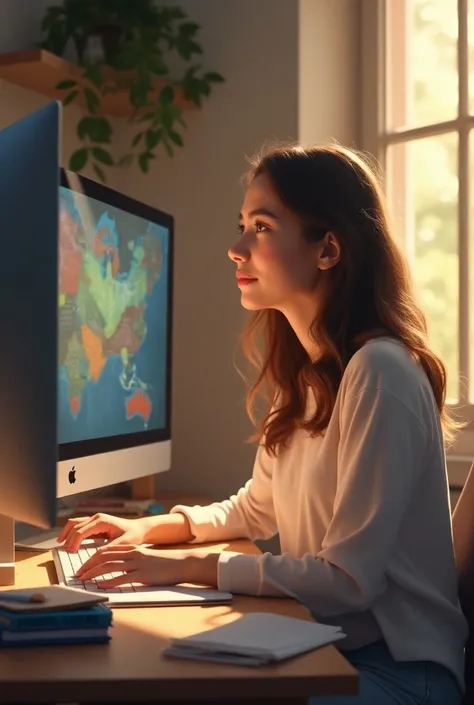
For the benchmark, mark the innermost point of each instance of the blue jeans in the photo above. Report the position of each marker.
(383, 681)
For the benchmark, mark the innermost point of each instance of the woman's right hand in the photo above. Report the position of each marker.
(118, 530)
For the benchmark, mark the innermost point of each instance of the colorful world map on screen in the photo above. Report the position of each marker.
(113, 283)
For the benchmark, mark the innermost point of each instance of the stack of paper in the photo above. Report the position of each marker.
(255, 639)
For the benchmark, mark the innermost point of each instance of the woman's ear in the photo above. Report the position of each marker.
(329, 252)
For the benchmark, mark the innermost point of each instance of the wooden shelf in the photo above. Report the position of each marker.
(39, 70)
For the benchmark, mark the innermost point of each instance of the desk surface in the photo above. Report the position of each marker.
(131, 668)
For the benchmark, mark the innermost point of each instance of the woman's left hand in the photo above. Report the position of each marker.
(137, 564)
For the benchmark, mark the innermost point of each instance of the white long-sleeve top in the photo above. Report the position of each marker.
(363, 516)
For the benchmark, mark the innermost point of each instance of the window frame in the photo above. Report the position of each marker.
(376, 138)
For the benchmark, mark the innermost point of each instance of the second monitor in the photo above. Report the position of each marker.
(115, 316)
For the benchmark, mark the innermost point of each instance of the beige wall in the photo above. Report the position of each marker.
(292, 71)
(330, 79)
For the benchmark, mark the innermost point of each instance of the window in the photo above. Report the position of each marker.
(418, 120)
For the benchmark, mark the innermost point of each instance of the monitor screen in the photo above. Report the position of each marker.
(114, 320)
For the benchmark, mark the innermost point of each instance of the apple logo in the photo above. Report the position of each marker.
(72, 475)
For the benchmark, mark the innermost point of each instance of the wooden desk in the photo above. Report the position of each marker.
(131, 668)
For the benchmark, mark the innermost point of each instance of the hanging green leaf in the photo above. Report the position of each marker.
(153, 137)
(192, 86)
(176, 138)
(167, 116)
(214, 77)
(78, 159)
(144, 161)
(70, 97)
(95, 128)
(64, 85)
(205, 88)
(168, 147)
(140, 90)
(137, 139)
(189, 29)
(166, 95)
(93, 73)
(102, 156)
(92, 100)
(186, 47)
(99, 172)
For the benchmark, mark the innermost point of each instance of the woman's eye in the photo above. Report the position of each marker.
(259, 227)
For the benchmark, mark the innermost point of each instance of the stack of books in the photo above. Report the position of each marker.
(56, 619)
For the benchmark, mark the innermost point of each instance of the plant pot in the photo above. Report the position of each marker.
(101, 44)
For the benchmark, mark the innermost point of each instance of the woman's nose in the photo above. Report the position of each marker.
(238, 253)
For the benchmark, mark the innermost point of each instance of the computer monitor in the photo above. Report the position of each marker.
(115, 305)
(29, 183)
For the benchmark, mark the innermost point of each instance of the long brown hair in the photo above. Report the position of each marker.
(367, 294)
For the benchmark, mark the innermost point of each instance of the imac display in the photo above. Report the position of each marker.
(115, 289)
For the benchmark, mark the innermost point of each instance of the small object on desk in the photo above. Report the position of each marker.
(93, 616)
(255, 639)
(56, 597)
(155, 509)
(17, 596)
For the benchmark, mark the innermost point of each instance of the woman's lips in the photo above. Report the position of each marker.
(245, 281)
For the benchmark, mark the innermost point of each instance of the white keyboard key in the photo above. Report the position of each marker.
(76, 562)
(74, 582)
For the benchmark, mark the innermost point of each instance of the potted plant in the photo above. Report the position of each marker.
(127, 43)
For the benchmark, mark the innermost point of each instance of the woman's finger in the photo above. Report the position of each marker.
(71, 539)
(91, 528)
(108, 567)
(101, 558)
(70, 525)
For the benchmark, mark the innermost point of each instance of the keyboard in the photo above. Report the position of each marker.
(131, 594)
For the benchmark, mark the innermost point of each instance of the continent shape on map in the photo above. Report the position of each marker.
(102, 308)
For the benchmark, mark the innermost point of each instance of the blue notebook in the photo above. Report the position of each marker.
(93, 617)
(55, 637)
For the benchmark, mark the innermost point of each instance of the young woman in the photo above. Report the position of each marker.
(350, 468)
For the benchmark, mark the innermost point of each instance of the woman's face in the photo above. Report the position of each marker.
(276, 266)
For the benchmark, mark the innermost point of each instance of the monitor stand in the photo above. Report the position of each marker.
(7, 550)
(144, 487)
